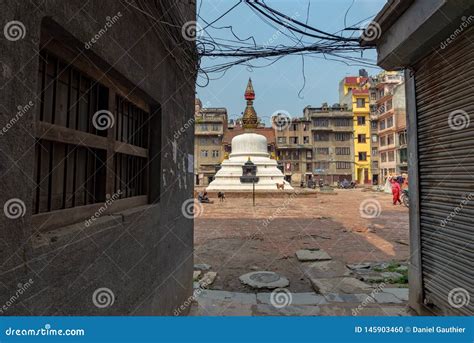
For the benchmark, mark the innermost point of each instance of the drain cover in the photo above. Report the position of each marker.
(264, 279)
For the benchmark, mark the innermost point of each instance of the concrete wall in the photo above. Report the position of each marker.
(144, 255)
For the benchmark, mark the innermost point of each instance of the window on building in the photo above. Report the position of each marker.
(204, 153)
(342, 136)
(403, 155)
(374, 152)
(389, 121)
(372, 96)
(80, 138)
(322, 165)
(375, 138)
(389, 105)
(281, 140)
(402, 138)
(382, 124)
(362, 156)
(215, 153)
(295, 155)
(306, 140)
(322, 151)
(361, 120)
(294, 127)
(215, 127)
(343, 151)
(383, 140)
(305, 127)
(389, 139)
(342, 122)
(360, 102)
(383, 157)
(373, 124)
(203, 127)
(309, 167)
(343, 165)
(361, 138)
(321, 136)
(296, 166)
(324, 122)
(309, 154)
(294, 140)
(391, 156)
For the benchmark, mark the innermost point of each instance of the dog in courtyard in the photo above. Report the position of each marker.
(221, 196)
(280, 186)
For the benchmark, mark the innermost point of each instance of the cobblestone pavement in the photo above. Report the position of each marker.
(352, 226)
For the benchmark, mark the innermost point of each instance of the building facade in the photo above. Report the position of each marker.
(432, 41)
(209, 127)
(295, 148)
(92, 178)
(391, 122)
(333, 143)
(354, 93)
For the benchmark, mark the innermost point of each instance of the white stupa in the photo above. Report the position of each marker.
(246, 147)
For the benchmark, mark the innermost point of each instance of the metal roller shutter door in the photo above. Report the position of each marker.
(444, 83)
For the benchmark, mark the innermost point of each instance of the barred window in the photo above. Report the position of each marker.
(90, 142)
(343, 165)
(343, 151)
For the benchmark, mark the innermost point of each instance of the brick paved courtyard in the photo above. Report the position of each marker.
(235, 238)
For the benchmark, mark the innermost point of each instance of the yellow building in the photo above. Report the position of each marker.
(354, 92)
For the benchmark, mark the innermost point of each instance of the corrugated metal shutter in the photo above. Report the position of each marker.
(444, 83)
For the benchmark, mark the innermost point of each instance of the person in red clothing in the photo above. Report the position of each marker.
(395, 191)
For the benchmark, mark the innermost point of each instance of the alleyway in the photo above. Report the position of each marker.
(364, 256)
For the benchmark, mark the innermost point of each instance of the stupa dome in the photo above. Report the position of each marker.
(249, 144)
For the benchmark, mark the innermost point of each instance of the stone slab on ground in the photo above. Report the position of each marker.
(400, 293)
(196, 274)
(264, 279)
(326, 269)
(348, 285)
(290, 310)
(207, 279)
(202, 266)
(386, 298)
(391, 276)
(346, 298)
(305, 255)
(220, 308)
(208, 296)
(306, 298)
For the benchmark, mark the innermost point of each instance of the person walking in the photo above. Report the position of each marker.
(395, 191)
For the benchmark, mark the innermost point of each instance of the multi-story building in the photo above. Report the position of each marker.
(209, 128)
(391, 122)
(333, 144)
(354, 93)
(374, 136)
(295, 149)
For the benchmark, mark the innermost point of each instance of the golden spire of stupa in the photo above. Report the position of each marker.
(249, 119)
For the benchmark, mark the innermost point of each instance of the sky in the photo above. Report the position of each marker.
(277, 86)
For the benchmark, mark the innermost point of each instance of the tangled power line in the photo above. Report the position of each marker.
(206, 42)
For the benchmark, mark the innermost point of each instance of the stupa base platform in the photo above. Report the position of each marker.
(261, 193)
